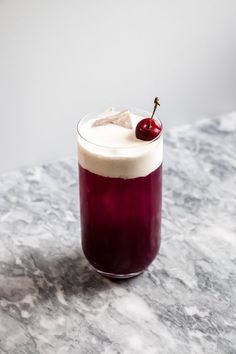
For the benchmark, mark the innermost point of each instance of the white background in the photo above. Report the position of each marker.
(60, 59)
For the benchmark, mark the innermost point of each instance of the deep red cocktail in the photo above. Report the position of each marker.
(120, 215)
(120, 220)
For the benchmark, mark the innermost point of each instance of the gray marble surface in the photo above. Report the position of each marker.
(50, 300)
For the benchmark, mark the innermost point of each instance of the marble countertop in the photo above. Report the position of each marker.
(50, 300)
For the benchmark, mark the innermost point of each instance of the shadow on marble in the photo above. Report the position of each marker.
(71, 275)
(48, 278)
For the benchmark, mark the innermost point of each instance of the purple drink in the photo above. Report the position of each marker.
(121, 221)
(120, 179)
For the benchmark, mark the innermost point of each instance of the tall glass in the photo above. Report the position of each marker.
(120, 204)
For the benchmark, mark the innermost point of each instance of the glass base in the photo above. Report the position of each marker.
(117, 276)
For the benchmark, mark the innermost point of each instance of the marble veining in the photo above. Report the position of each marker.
(185, 303)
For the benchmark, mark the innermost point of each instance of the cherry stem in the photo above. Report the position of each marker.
(156, 103)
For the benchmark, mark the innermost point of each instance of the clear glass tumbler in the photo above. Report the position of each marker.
(120, 204)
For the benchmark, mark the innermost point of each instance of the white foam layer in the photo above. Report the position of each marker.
(114, 151)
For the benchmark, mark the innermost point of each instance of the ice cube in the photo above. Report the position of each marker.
(122, 119)
(102, 121)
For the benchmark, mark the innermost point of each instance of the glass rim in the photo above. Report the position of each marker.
(145, 143)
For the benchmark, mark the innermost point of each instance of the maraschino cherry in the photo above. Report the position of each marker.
(148, 128)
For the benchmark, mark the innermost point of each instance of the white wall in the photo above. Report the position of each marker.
(62, 58)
